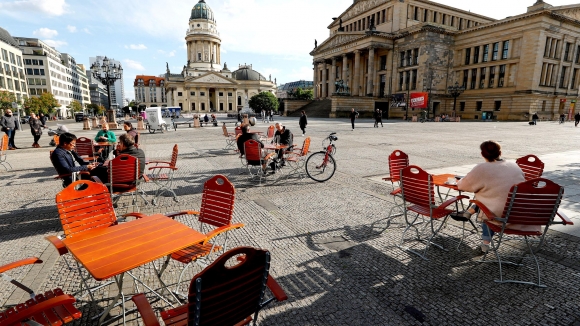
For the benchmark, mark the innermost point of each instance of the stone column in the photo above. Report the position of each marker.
(324, 80)
(356, 77)
(331, 85)
(344, 65)
(371, 71)
(217, 99)
(315, 79)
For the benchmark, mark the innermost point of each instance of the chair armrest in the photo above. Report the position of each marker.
(147, 313)
(452, 200)
(40, 307)
(214, 233)
(163, 167)
(269, 156)
(176, 214)
(23, 262)
(157, 162)
(58, 244)
(145, 178)
(276, 289)
(565, 219)
(396, 191)
(135, 215)
(389, 178)
(484, 209)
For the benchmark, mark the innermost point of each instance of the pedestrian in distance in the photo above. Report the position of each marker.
(577, 119)
(35, 129)
(562, 118)
(9, 126)
(378, 118)
(535, 118)
(42, 119)
(271, 115)
(303, 122)
(263, 114)
(353, 115)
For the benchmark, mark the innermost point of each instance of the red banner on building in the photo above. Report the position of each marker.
(419, 100)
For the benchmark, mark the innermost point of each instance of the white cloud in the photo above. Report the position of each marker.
(72, 29)
(132, 64)
(136, 47)
(86, 30)
(171, 54)
(55, 43)
(44, 33)
(49, 7)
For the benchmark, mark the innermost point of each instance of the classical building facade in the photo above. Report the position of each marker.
(12, 77)
(150, 90)
(203, 84)
(382, 51)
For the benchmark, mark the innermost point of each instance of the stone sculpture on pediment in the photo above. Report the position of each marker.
(211, 78)
(573, 13)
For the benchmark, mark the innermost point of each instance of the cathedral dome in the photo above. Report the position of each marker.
(247, 73)
(202, 11)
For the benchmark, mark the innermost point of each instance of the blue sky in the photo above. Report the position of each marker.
(273, 35)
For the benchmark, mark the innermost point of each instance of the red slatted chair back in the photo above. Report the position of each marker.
(82, 210)
(174, 156)
(271, 132)
(238, 130)
(84, 146)
(253, 152)
(123, 173)
(226, 295)
(531, 165)
(417, 186)
(305, 147)
(217, 201)
(533, 202)
(397, 160)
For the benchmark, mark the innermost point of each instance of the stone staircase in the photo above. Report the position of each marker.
(316, 109)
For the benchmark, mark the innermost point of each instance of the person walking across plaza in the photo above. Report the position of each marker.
(577, 119)
(378, 115)
(35, 129)
(8, 125)
(271, 115)
(42, 119)
(263, 114)
(353, 115)
(303, 122)
(535, 118)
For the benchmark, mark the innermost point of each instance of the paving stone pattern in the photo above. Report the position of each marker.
(331, 249)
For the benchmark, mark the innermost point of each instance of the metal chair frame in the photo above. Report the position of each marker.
(124, 179)
(163, 176)
(296, 160)
(4, 152)
(256, 159)
(230, 138)
(397, 161)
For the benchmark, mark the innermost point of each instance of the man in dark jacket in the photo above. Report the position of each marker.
(66, 161)
(245, 136)
(378, 115)
(8, 125)
(577, 119)
(283, 136)
(127, 146)
(353, 115)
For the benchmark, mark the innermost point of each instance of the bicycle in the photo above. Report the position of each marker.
(321, 166)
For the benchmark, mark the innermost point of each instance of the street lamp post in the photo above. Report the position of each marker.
(108, 74)
(455, 91)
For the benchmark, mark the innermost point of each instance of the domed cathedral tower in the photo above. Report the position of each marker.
(203, 39)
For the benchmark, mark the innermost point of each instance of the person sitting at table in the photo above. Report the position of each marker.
(283, 136)
(128, 127)
(66, 161)
(105, 135)
(245, 136)
(491, 182)
(126, 145)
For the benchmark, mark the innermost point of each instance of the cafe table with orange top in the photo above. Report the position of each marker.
(116, 250)
(441, 180)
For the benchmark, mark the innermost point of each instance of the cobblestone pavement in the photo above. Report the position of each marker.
(331, 252)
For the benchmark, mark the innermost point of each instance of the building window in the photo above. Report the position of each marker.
(473, 78)
(201, 93)
(485, 53)
(416, 14)
(443, 19)
(491, 77)
(482, 78)
(573, 84)
(497, 105)
(465, 76)
(221, 106)
(567, 51)
(401, 79)
(547, 47)
(476, 54)
(192, 93)
(452, 21)
(407, 79)
(563, 78)
(409, 58)
(478, 105)
(495, 51)
(416, 56)
(192, 106)
(435, 17)
(229, 94)
(402, 54)
(203, 106)
(383, 62)
(221, 94)
(414, 80)
(461, 106)
(460, 23)
(230, 106)
(239, 100)
(467, 55)
(501, 76)
(504, 52)
(179, 93)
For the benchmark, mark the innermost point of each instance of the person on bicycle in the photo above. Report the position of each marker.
(353, 115)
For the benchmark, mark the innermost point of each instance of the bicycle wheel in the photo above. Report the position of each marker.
(317, 169)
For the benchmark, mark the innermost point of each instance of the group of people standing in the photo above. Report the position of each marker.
(9, 125)
(267, 115)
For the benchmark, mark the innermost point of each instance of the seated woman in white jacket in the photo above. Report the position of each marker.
(491, 182)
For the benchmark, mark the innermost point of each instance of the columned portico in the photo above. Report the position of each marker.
(356, 77)
(371, 71)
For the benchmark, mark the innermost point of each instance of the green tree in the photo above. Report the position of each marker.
(100, 110)
(304, 94)
(44, 104)
(6, 99)
(264, 101)
(75, 106)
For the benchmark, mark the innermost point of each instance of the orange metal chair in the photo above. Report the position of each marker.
(124, 178)
(84, 147)
(532, 202)
(215, 218)
(222, 295)
(4, 152)
(230, 138)
(52, 308)
(162, 175)
(531, 165)
(398, 160)
(256, 159)
(418, 193)
(269, 134)
(297, 159)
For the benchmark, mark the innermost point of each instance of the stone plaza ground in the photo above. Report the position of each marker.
(331, 251)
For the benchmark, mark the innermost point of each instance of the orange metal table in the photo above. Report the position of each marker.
(273, 147)
(113, 251)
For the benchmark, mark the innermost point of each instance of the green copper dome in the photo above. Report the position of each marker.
(202, 11)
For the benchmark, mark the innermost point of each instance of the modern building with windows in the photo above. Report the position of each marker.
(203, 85)
(384, 50)
(282, 91)
(118, 89)
(84, 85)
(150, 90)
(12, 77)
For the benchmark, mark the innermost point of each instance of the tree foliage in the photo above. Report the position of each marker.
(301, 94)
(45, 104)
(6, 99)
(264, 101)
(75, 106)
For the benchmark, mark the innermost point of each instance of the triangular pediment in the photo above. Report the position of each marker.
(211, 78)
(572, 11)
(337, 40)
